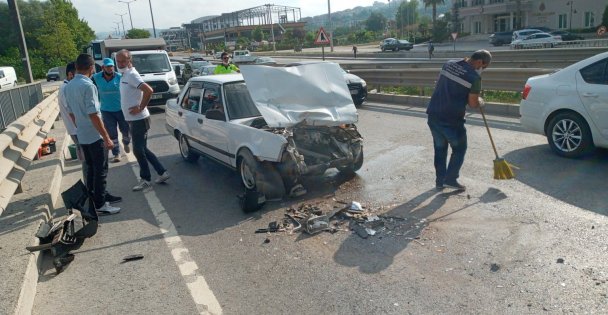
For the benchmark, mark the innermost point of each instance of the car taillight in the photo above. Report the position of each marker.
(527, 90)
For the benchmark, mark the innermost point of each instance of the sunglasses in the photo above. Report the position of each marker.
(225, 58)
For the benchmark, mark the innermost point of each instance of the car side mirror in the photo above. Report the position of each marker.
(215, 114)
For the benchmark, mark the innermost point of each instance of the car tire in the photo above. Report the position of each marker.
(260, 176)
(15, 84)
(185, 150)
(569, 135)
(396, 48)
(355, 166)
(358, 103)
(382, 49)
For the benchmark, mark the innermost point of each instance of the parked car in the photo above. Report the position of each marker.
(520, 34)
(53, 74)
(8, 77)
(543, 29)
(197, 65)
(265, 61)
(501, 38)
(218, 54)
(395, 44)
(270, 124)
(243, 56)
(356, 85)
(537, 40)
(567, 36)
(206, 70)
(570, 107)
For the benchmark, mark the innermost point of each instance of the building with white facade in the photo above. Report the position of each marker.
(489, 16)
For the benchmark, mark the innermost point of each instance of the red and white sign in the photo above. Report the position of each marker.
(322, 37)
(601, 31)
(454, 35)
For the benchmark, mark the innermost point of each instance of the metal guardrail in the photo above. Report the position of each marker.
(566, 44)
(17, 101)
(19, 144)
(493, 78)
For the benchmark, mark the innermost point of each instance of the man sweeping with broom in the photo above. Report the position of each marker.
(459, 84)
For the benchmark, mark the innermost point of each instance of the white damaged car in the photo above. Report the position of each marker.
(273, 125)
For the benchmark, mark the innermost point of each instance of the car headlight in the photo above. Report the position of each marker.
(172, 81)
(363, 83)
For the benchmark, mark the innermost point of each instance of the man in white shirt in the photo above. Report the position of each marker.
(134, 97)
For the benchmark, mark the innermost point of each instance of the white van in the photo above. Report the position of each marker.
(156, 70)
(8, 77)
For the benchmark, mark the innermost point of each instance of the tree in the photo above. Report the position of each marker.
(407, 15)
(605, 17)
(433, 4)
(138, 33)
(375, 22)
(258, 34)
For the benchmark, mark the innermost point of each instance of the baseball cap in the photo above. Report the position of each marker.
(108, 62)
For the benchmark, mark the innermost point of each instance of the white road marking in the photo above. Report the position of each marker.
(205, 300)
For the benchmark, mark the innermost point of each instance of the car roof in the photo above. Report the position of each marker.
(219, 78)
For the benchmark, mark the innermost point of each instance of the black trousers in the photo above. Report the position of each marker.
(96, 160)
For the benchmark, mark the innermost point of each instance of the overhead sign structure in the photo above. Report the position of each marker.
(322, 37)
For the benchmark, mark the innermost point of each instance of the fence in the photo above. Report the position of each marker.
(15, 102)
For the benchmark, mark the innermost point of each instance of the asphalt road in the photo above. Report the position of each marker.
(530, 245)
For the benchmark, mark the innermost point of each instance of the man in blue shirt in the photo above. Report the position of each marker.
(459, 84)
(83, 107)
(108, 85)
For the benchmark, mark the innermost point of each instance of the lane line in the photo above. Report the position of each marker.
(203, 297)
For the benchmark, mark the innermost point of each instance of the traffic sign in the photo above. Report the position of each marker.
(601, 31)
(322, 37)
(454, 35)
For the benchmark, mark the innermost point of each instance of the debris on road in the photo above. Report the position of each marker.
(132, 258)
(560, 260)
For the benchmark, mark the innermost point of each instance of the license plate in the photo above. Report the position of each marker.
(156, 96)
(354, 92)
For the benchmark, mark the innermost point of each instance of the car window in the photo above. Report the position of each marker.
(542, 35)
(238, 101)
(1, 74)
(212, 98)
(192, 98)
(596, 73)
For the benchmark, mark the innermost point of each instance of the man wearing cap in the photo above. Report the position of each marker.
(108, 85)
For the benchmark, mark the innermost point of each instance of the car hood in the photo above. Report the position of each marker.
(315, 93)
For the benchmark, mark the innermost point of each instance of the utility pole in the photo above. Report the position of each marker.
(117, 28)
(570, 3)
(25, 59)
(152, 15)
(123, 23)
(129, 7)
(331, 29)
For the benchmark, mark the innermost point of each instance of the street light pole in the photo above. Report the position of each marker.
(25, 58)
(117, 28)
(274, 46)
(129, 7)
(331, 30)
(123, 23)
(570, 3)
(152, 15)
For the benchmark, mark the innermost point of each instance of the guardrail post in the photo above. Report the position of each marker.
(2, 117)
(10, 95)
(22, 102)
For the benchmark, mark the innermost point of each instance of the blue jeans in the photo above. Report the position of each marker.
(456, 137)
(139, 132)
(111, 120)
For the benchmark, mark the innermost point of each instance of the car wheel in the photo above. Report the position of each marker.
(15, 84)
(248, 169)
(185, 150)
(552, 45)
(396, 48)
(383, 49)
(358, 103)
(356, 165)
(569, 135)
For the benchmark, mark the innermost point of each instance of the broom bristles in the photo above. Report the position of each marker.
(502, 170)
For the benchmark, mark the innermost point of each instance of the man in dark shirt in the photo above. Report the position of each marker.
(459, 84)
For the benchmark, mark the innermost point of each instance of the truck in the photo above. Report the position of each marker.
(150, 59)
(243, 56)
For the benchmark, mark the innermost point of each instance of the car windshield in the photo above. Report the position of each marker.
(238, 101)
(151, 63)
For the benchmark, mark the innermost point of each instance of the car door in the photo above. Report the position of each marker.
(189, 111)
(592, 86)
(213, 132)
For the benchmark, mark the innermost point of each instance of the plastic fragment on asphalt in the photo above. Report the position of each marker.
(371, 232)
(355, 207)
(133, 257)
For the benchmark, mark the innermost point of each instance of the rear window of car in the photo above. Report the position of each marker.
(596, 73)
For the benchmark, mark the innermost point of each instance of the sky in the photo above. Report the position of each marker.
(101, 14)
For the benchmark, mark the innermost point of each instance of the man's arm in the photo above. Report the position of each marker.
(147, 93)
(474, 94)
(98, 124)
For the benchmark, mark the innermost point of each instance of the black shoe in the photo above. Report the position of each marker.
(113, 199)
(439, 186)
(455, 185)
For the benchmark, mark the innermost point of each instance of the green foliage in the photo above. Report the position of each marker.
(605, 17)
(489, 96)
(407, 14)
(375, 22)
(138, 33)
(53, 33)
(258, 34)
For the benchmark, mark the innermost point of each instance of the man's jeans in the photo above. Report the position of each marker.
(96, 159)
(111, 121)
(139, 132)
(456, 137)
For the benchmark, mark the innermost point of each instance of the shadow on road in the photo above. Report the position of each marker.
(579, 182)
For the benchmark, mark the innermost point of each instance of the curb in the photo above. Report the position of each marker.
(499, 109)
(27, 293)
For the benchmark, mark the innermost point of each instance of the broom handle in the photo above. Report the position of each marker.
(488, 129)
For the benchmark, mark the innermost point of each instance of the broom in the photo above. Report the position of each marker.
(502, 169)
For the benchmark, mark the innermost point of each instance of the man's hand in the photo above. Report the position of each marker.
(482, 102)
(108, 143)
(135, 110)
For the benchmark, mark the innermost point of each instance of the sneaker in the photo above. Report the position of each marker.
(107, 209)
(455, 185)
(143, 185)
(113, 199)
(127, 148)
(163, 178)
(116, 159)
